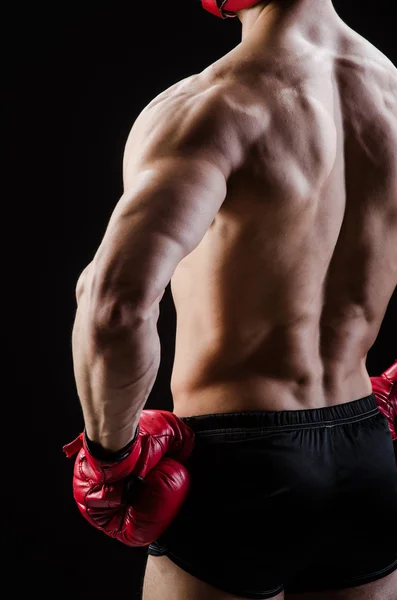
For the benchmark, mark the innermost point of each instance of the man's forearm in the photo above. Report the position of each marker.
(114, 376)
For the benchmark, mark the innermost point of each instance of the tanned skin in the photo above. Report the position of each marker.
(265, 190)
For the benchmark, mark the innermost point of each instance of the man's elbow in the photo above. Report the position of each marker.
(109, 307)
(82, 283)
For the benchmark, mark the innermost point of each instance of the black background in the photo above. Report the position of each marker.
(77, 77)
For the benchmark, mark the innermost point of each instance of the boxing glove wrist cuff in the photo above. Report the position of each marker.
(100, 453)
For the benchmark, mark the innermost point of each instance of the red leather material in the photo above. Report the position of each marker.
(135, 499)
(227, 8)
(385, 390)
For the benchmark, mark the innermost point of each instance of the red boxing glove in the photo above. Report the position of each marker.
(385, 391)
(136, 498)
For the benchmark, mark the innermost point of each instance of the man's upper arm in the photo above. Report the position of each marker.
(176, 169)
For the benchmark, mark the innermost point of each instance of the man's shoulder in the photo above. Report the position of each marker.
(199, 110)
(205, 92)
(356, 47)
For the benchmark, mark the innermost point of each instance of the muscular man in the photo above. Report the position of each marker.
(265, 190)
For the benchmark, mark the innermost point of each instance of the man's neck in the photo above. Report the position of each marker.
(270, 14)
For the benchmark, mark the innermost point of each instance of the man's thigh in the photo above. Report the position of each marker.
(383, 589)
(164, 580)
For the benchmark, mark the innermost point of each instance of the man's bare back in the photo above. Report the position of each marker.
(280, 303)
(265, 190)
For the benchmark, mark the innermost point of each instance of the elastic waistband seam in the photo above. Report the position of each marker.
(295, 426)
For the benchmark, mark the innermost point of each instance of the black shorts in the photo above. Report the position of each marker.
(300, 500)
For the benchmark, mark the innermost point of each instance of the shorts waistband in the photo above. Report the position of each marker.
(328, 416)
